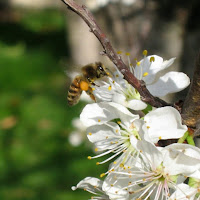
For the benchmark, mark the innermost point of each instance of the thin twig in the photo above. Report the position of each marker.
(139, 85)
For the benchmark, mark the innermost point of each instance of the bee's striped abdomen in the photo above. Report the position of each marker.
(74, 92)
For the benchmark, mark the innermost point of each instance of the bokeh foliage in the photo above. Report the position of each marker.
(36, 159)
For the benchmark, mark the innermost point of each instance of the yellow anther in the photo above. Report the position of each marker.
(152, 59)
(102, 175)
(96, 149)
(131, 64)
(95, 186)
(117, 75)
(121, 165)
(145, 52)
(117, 131)
(119, 52)
(106, 137)
(148, 127)
(99, 120)
(108, 73)
(145, 74)
(113, 81)
(144, 179)
(116, 192)
(93, 88)
(127, 54)
(118, 122)
(113, 170)
(160, 137)
(138, 63)
(84, 189)
(109, 88)
(115, 162)
(97, 163)
(89, 157)
(111, 185)
(89, 133)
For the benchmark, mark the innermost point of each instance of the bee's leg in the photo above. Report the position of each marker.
(92, 82)
(90, 93)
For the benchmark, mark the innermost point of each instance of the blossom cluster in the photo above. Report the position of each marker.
(144, 145)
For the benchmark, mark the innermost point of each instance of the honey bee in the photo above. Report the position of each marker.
(90, 73)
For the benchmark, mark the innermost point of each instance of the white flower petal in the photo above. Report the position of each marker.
(151, 154)
(136, 104)
(92, 185)
(178, 162)
(183, 191)
(164, 123)
(115, 191)
(169, 83)
(99, 113)
(152, 68)
(104, 136)
(89, 181)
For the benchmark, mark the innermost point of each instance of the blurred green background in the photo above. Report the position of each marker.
(36, 159)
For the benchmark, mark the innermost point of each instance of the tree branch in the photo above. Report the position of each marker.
(191, 107)
(139, 85)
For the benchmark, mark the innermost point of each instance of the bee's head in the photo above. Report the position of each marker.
(101, 71)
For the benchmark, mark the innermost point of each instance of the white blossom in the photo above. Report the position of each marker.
(151, 69)
(94, 186)
(77, 136)
(153, 175)
(117, 89)
(163, 123)
(183, 192)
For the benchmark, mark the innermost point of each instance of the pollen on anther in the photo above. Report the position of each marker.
(160, 137)
(93, 88)
(109, 88)
(99, 120)
(152, 59)
(111, 185)
(148, 127)
(127, 54)
(118, 122)
(138, 63)
(117, 131)
(117, 75)
(102, 175)
(131, 64)
(97, 163)
(145, 52)
(119, 52)
(121, 165)
(89, 133)
(89, 157)
(145, 74)
(115, 162)
(96, 149)
(113, 81)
